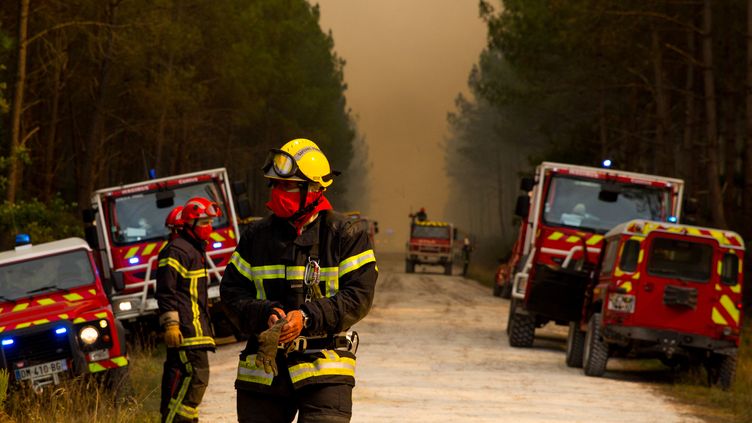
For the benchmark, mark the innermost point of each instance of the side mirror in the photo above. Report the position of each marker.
(117, 281)
(243, 206)
(527, 183)
(165, 199)
(522, 208)
(88, 215)
(239, 188)
(90, 234)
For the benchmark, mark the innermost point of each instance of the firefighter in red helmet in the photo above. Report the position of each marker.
(182, 282)
(174, 221)
(309, 273)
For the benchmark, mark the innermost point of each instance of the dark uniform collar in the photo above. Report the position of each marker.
(310, 234)
(196, 243)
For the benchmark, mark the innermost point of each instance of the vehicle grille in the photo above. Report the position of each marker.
(38, 345)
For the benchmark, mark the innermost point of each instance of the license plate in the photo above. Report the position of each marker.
(41, 370)
(213, 292)
(621, 302)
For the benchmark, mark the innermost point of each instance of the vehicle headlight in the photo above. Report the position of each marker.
(127, 305)
(88, 334)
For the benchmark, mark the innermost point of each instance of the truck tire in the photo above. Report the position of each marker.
(409, 266)
(448, 268)
(596, 351)
(722, 370)
(506, 290)
(575, 345)
(521, 329)
(496, 290)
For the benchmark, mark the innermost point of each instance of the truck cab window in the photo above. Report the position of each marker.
(730, 269)
(629, 256)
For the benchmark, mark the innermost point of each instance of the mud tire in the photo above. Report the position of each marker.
(722, 370)
(448, 269)
(575, 345)
(595, 356)
(521, 329)
(409, 266)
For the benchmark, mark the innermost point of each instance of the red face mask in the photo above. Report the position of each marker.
(284, 203)
(202, 232)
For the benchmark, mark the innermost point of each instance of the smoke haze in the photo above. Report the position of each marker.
(406, 62)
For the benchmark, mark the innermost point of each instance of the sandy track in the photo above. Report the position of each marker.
(433, 349)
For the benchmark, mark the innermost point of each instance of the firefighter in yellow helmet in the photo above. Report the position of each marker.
(305, 274)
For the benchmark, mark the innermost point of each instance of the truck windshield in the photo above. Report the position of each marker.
(45, 274)
(675, 258)
(136, 218)
(440, 232)
(574, 202)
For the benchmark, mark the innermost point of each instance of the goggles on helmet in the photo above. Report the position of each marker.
(283, 164)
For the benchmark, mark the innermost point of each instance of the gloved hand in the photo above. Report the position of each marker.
(277, 313)
(293, 327)
(267, 352)
(173, 338)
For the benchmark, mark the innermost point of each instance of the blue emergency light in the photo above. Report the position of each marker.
(133, 260)
(607, 163)
(23, 239)
(7, 341)
(672, 219)
(61, 331)
(217, 245)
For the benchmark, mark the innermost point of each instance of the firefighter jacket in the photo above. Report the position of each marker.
(267, 270)
(182, 283)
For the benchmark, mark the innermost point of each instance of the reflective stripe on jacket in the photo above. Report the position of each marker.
(267, 271)
(182, 283)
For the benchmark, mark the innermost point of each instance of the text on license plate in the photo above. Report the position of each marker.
(621, 302)
(41, 370)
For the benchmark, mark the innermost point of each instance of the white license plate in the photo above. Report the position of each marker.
(41, 370)
(621, 302)
(213, 291)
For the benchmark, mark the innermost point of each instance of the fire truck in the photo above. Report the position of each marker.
(125, 225)
(431, 243)
(666, 291)
(565, 213)
(373, 226)
(55, 317)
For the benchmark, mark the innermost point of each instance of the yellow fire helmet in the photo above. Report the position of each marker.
(299, 160)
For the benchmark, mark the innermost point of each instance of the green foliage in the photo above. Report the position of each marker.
(44, 222)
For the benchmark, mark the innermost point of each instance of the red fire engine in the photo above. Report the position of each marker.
(55, 318)
(565, 213)
(126, 226)
(666, 291)
(430, 243)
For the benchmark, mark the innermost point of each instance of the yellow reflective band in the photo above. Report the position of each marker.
(175, 403)
(330, 276)
(718, 287)
(260, 291)
(295, 273)
(718, 319)
(331, 365)
(96, 367)
(241, 265)
(2, 328)
(186, 411)
(162, 245)
(618, 272)
(63, 316)
(594, 239)
(627, 286)
(131, 252)
(203, 340)
(20, 307)
(45, 301)
(169, 261)
(120, 361)
(23, 325)
(275, 271)
(78, 320)
(149, 248)
(73, 297)
(249, 372)
(232, 234)
(556, 235)
(101, 315)
(730, 308)
(40, 321)
(737, 288)
(718, 268)
(641, 256)
(194, 307)
(356, 262)
(217, 237)
(636, 275)
(573, 239)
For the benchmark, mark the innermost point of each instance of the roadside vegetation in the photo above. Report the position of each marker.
(88, 399)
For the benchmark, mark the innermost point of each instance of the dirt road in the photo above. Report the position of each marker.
(434, 349)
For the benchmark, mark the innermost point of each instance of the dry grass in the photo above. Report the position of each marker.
(713, 404)
(87, 399)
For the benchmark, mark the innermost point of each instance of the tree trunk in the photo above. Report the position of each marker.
(51, 162)
(690, 117)
(715, 200)
(661, 162)
(748, 147)
(16, 142)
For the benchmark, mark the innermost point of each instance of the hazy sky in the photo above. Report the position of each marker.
(406, 62)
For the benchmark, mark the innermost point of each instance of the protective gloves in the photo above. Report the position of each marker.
(173, 338)
(293, 327)
(267, 351)
(277, 313)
